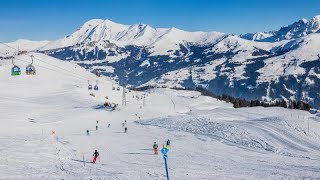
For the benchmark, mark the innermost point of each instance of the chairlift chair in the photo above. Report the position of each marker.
(15, 71)
(96, 87)
(89, 86)
(30, 69)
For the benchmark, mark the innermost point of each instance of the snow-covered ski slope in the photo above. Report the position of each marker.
(209, 138)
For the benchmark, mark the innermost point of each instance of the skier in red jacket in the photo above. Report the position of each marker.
(95, 156)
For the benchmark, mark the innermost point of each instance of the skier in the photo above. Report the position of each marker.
(155, 148)
(97, 122)
(96, 127)
(168, 144)
(109, 125)
(122, 124)
(95, 156)
(125, 121)
(125, 130)
(88, 132)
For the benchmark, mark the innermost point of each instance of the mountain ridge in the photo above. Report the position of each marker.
(298, 29)
(264, 68)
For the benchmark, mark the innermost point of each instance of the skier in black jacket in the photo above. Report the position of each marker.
(168, 144)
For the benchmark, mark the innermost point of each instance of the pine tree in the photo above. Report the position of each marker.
(227, 99)
(284, 103)
(236, 104)
(301, 105)
(252, 103)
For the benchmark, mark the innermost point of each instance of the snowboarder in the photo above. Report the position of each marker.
(88, 132)
(168, 144)
(95, 156)
(96, 127)
(125, 130)
(155, 148)
(109, 125)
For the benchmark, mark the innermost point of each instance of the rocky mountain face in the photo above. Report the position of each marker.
(293, 31)
(281, 64)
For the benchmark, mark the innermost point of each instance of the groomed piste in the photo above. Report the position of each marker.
(45, 117)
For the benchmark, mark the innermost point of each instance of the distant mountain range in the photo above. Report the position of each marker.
(281, 64)
(296, 30)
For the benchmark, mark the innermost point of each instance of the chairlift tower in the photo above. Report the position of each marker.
(124, 101)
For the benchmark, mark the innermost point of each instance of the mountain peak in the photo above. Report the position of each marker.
(93, 22)
(109, 22)
(317, 17)
(295, 30)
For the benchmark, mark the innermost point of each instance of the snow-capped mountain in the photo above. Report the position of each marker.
(160, 39)
(298, 29)
(21, 45)
(258, 36)
(280, 64)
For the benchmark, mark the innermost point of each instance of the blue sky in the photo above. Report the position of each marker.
(49, 20)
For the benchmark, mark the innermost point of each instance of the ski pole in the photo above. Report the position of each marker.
(84, 163)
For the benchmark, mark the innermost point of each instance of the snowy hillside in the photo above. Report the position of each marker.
(209, 138)
(21, 45)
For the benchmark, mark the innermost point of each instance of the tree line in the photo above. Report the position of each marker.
(240, 102)
(291, 104)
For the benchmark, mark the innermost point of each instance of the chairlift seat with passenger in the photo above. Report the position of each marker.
(30, 69)
(15, 71)
(89, 85)
(96, 87)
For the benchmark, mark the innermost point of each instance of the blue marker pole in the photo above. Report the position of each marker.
(165, 156)
(165, 161)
